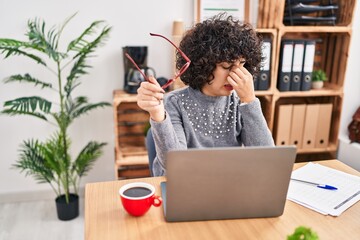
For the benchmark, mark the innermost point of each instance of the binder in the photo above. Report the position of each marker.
(302, 20)
(283, 125)
(323, 126)
(264, 76)
(297, 125)
(311, 122)
(297, 65)
(309, 55)
(308, 8)
(256, 81)
(285, 67)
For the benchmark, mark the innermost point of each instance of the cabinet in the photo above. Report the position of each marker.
(331, 54)
(130, 123)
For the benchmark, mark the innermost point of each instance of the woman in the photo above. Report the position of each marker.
(219, 107)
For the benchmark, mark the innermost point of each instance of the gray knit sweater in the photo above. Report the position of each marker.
(194, 120)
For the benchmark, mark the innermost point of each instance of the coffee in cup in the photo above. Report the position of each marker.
(138, 197)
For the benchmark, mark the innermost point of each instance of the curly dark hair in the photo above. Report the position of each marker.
(215, 40)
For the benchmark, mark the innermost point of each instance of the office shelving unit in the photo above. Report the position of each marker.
(332, 49)
(131, 160)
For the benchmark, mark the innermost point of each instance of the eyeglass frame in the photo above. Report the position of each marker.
(181, 71)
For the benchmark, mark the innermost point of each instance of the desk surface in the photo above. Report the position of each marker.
(106, 219)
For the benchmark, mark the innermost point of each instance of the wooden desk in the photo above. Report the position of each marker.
(106, 219)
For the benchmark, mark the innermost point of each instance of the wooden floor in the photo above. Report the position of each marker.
(37, 220)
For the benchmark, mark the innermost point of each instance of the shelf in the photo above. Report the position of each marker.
(131, 159)
(330, 148)
(271, 14)
(122, 96)
(311, 93)
(263, 93)
(266, 30)
(319, 29)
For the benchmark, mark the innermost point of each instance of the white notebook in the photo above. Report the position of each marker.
(332, 202)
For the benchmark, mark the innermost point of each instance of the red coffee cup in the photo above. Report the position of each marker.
(138, 197)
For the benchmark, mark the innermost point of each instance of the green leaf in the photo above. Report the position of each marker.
(12, 47)
(319, 75)
(81, 106)
(14, 113)
(303, 233)
(79, 43)
(27, 78)
(63, 120)
(84, 49)
(87, 157)
(71, 105)
(32, 161)
(55, 154)
(76, 72)
(62, 27)
(89, 107)
(28, 105)
(45, 42)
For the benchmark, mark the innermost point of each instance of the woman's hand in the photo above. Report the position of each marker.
(242, 82)
(150, 98)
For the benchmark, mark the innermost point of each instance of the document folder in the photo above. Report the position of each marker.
(286, 64)
(264, 76)
(297, 65)
(323, 126)
(311, 120)
(283, 125)
(309, 55)
(297, 125)
(256, 83)
(298, 20)
(307, 8)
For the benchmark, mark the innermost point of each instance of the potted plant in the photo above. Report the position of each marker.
(303, 233)
(50, 161)
(318, 78)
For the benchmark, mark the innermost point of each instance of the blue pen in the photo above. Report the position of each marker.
(324, 186)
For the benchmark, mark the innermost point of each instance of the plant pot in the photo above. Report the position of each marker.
(67, 211)
(317, 84)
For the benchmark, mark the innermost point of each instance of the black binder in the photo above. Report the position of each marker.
(256, 83)
(307, 8)
(264, 76)
(283, 83)
(309, 55)
(297, 65)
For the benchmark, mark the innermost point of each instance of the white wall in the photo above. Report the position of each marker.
(350, 153)
(131, 21)
(352, 80)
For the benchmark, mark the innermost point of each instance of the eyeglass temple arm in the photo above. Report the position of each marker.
(181, 52)
(137, 67)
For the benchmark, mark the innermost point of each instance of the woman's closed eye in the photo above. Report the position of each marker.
(227, 67)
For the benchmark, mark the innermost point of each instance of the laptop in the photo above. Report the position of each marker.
(227, 183)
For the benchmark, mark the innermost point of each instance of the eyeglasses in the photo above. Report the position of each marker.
(181, 71)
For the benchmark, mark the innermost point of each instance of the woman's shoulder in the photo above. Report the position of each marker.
(177, 93)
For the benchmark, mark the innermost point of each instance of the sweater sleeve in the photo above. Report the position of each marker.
(254, 131)
(168, 134)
